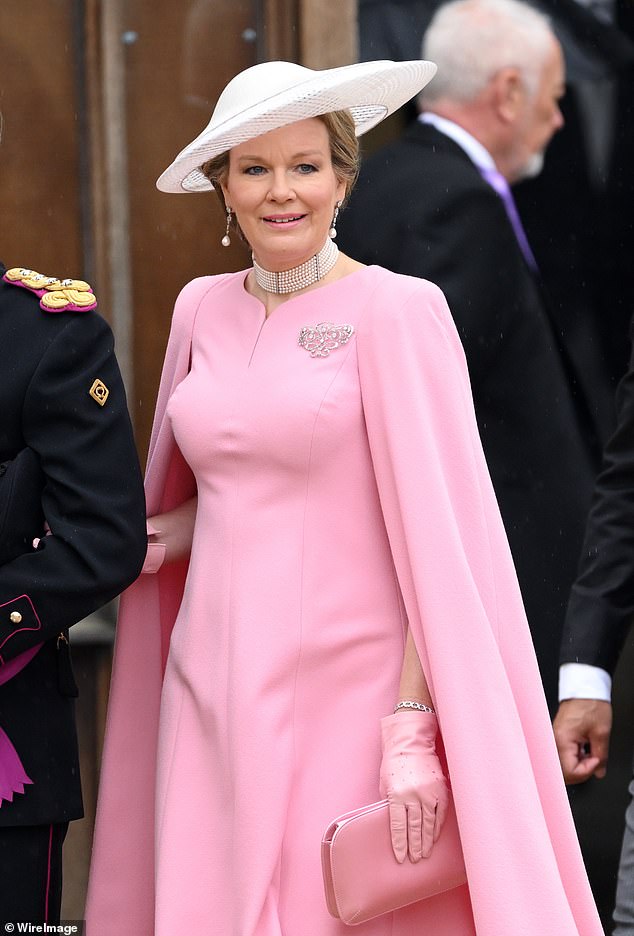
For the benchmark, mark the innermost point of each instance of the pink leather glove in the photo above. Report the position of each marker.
(412, 781)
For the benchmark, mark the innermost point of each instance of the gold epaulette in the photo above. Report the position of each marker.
(56, 295)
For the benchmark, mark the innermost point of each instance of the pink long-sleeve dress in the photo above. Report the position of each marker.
(342, 495)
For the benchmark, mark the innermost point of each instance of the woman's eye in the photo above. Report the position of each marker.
(306, 168)
(254, 170)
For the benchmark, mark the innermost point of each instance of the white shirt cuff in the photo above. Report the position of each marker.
(582, 681)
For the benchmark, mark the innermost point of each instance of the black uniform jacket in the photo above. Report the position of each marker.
(601, 603)
(94, 505)
(422, 208)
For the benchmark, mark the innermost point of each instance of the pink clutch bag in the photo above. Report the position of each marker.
(363, 879)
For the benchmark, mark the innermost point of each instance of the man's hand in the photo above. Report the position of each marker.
(582, 732)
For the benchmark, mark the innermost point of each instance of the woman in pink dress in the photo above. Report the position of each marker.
(333, 595)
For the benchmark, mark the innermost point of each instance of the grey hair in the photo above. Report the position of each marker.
(471, 40)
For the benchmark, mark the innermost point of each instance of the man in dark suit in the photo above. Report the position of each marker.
(600, 611)
(436, 204)
(577, 212)
(64, 401)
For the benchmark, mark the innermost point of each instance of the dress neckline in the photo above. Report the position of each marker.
(296, 298)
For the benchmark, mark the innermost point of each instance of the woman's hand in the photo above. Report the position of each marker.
(412, 781)
(173, 533)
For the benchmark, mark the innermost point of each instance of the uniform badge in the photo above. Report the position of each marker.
(56, 295)
(99, 392)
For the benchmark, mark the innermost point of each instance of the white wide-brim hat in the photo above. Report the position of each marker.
(274, 94)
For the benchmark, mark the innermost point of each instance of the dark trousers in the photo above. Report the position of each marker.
(31, 873)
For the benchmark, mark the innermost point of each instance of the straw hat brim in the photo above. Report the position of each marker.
(274, 94)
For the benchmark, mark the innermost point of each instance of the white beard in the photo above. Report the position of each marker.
(532, 168)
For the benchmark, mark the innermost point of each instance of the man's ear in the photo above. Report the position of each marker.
(508, 93)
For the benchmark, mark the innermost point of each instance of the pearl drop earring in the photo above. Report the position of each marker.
(333, 227)
(226, 240)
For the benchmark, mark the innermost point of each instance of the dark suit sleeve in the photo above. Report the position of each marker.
(602, 599)
(93, 498)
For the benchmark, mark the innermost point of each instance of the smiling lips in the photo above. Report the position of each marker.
(283, 219)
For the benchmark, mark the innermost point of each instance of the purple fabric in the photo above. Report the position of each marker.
(12, 773)
(497, 181)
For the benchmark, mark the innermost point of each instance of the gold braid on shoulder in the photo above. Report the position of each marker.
(56, 295)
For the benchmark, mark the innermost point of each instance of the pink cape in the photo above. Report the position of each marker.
(525, 871)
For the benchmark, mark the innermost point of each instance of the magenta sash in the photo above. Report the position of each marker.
(12, 774)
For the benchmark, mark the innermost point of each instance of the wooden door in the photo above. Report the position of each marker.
(41, 154)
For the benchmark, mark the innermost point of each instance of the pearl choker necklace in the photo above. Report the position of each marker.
(288, 281)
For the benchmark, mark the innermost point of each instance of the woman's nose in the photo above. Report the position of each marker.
(280, 188)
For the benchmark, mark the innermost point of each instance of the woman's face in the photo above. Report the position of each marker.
(283, 188)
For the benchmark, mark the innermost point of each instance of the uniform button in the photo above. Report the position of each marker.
(15, 617)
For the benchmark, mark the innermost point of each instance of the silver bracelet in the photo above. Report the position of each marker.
(409, 704)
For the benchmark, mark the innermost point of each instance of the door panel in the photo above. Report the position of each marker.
(40, 210)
